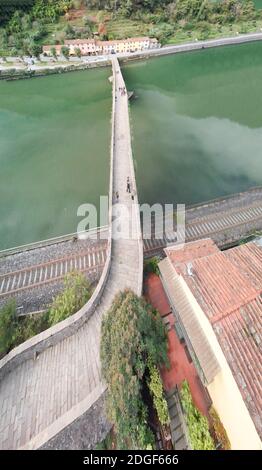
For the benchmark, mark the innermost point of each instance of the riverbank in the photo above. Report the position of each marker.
(12, 69)
(16, 71)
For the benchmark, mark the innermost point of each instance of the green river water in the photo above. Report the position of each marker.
(54, 152)
(197, 123)
(196, 126)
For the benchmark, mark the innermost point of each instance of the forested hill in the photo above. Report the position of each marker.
(26, 25)
(8, 7)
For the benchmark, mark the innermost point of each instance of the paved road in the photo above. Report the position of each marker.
(191, 46)
(42, 396)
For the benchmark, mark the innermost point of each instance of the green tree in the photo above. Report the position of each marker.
(131, 333)
(35, 49)
(53, 52)
(78, 52)
(70, 32)
(8, 325)
(65, 51)
(76, 293)
(15, 24)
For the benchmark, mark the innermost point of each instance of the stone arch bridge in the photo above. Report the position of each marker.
(51, 390)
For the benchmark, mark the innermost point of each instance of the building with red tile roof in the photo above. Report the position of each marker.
(96, 47)
(217, 299)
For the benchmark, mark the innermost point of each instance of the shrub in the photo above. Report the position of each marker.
(77, 292)
(156, 388)
(8, 325)
(65, 51)
(151, 265)
(15, 329)
(131, 333)
(218, 431)
(198, 427)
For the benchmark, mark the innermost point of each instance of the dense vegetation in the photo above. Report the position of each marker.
(14, 330)
(26, 26)
(198, 426)
(151, 266)
(218, 431)
(133, 344)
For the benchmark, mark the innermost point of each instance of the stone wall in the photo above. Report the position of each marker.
(83, 433)
(35, 345)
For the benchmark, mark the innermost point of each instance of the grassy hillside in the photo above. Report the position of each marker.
(51, 22)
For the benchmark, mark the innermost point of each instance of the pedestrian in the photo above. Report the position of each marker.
(128, 187)
(117, 196)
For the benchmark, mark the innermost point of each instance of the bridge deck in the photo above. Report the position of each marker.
(41, 396)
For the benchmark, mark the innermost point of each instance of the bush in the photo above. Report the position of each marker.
(65, 51)
(151, 265)
(8, 325)
(77, 292)
(156, 388)
(15, 329)
(198, 427)
(218, 431)
(131, 333)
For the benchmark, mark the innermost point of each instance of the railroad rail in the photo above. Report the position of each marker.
(208, 225)
(91, 260)
(53, 271)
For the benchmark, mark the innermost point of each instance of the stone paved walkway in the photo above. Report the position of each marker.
(42, 396)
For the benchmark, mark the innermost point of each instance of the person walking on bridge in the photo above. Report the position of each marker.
(128, 187)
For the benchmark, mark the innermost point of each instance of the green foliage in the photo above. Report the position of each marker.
(198, 427)
(53, 52)
(76, 293)
(78, 52)
(131, 333)
(15, 329)
(70, 32)
(8, 324)
(65, 51)
(151, 265)
(156, 388)
(218, 431)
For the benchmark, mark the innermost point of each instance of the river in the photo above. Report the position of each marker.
(54, 152)
(197, 123)
(196, 128)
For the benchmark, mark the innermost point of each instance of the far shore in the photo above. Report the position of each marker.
(25, 68)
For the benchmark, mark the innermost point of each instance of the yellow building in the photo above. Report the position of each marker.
(97, 47)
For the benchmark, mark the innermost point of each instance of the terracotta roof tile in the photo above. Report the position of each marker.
(248, 259)
(190, 251)
(228, 287)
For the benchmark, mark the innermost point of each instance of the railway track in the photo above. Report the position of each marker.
(92, 259)
(88, 261)
(205, 226)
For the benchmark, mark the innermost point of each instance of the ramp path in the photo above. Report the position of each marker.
(41, 393)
